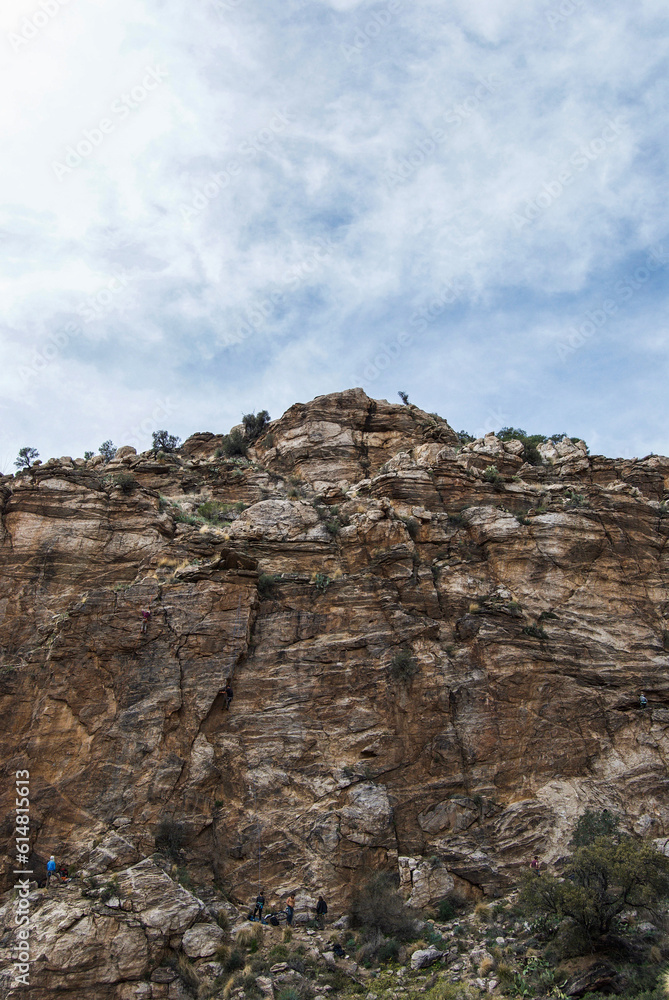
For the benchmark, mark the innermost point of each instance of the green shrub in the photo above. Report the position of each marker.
(162, 441)
(573, 499)
(255, 425)
(536, 631)
(446, 910)
(289, 993)
(377, 906)
(234, 961)
(88, 455)
(492, 475)
(403, 666)
(389, 951)
(279, 953)
(170, 838)
(234, 443)
(600, 880)
(266, 582)
(333, 525)
(593, 824)
(108, 450)
(216, 511)
(465, 438)
(110, 889)
(322, 582)
(125, 482)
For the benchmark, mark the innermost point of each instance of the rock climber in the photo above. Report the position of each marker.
(290, 908)
(146, 618)
(260, 903)
(643, 701)
(50, 870)
(534, 863)
(229, 695)
(321, 910)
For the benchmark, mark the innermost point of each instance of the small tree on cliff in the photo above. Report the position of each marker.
(162, 441)
(108, 450)
(255, 425)
(598, 882)
(26, 457)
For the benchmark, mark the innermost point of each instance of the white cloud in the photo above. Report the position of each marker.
(198, 213)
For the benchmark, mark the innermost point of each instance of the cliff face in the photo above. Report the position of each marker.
(533, 609)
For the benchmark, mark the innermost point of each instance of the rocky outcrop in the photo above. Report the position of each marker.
(427, 662)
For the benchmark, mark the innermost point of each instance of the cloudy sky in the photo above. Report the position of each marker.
(214, 207)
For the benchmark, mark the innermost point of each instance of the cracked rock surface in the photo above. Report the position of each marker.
(357, 536)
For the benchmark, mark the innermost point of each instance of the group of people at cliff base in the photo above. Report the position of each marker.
(288, 913)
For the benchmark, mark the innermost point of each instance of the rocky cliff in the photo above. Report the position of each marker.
(436, 664)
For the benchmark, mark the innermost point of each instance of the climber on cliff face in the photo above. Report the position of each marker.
(229, 694)
(146, 618)
(643, 701)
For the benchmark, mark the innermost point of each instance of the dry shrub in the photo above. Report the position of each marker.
(247, 935)
(487, 965)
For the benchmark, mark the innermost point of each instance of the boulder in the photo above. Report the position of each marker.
(425, 957)
(202, 940)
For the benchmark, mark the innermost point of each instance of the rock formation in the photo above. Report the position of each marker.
(431, 659)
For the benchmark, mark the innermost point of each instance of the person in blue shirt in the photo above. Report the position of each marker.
(50, 870)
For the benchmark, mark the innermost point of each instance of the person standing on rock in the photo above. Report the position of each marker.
(321, 910)
(290, 909)
(260, 903)
(50, 870)
(146, 618)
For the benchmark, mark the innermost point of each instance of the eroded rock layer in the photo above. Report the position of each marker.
(428, 659)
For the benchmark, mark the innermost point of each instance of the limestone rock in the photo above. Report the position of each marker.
(425, 957)
(533, 613)
(202, 940)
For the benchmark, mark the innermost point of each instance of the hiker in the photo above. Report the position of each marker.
(146, 618)
(229, 695)
(534, 863)
(643, 701)
(290, 909)
(260, 902)
(321, 910)
(50, 870)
